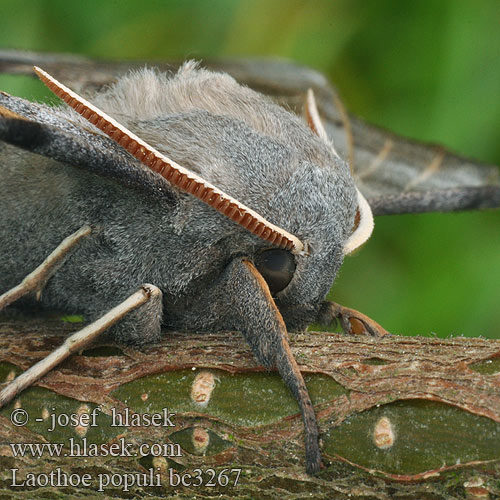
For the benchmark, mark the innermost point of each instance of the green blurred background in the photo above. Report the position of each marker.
(428, 69)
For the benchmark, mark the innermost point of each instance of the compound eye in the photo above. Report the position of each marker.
(277, 268)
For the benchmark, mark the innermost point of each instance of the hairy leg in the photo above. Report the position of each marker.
(256, 316)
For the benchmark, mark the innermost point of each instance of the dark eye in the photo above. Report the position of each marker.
(277, 268)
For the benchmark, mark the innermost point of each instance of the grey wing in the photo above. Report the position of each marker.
(48, 132)
(397, 175)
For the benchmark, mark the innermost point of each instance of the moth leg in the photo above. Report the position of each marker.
(351, 321)
(259, 320)
(78, 341)
(142, 325)
(35, 281)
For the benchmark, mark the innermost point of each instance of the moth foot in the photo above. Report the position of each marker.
(351, 321)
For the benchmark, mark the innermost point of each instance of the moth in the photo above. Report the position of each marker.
(226, 210)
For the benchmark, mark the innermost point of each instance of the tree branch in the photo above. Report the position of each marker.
(397, 415)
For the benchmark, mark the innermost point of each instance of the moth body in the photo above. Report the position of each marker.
(59, 173)
(236, 139)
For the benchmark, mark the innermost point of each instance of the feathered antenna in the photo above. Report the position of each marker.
(314, 120)
(363, 226)
(176, 174)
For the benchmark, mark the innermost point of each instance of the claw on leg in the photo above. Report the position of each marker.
(351, 321)
(36, 280)
(77, 341)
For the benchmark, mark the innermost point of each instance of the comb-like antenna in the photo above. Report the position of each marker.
(314, 120)
(178, 176)
(363, 227)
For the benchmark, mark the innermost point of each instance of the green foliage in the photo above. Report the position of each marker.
(428, 69)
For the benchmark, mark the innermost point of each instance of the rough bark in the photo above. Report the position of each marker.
(400, 417)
